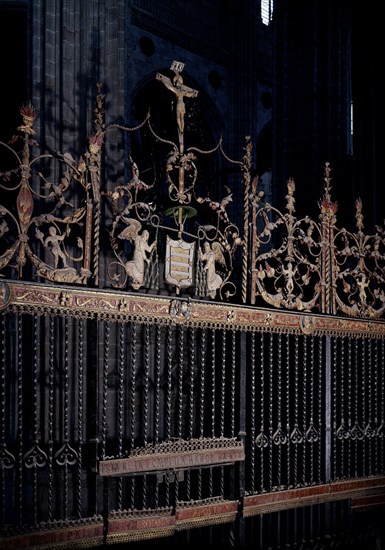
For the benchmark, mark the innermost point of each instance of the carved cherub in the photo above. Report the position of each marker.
(53, 243)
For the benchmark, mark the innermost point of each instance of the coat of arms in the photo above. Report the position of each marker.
(179, 262)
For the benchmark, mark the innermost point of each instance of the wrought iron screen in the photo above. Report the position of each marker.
(146, 389)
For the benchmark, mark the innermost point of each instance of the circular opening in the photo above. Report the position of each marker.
(266, 100)
(215, 80)
(147, 46)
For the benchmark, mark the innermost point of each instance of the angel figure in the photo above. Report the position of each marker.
(53, 243)
(135, 268)
(211, 255)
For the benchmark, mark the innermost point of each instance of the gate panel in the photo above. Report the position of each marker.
(47, 427)
(168, 391)
(286, 404)
(357, 408)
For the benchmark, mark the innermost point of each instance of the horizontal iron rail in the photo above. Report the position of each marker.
(124, 306)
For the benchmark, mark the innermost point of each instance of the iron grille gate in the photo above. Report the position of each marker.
(220, 425)
(156, 395)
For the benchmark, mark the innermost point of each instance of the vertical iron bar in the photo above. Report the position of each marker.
(375, 408)
(3, 408)
(311, 524)
(104, 420)
(304, 408)
(52, 340)
(79, 497)
(192, 354)
(262, 412)
(363, 383)
(382, 410)
(341, 392)
(252, 409)
(157, 383)
(180, 382)
(288, 390)
(233, 375)
(223, 384)
(180, 419)
(334, 408)
(19, 374)
(157, 399)
(132, 402)
(271, 406)
(280, 438)
(168, 400)
(243, 381)
(146, 359)
(349, 404)
(295, 525)
(328, 404)
(311, 408)
(296, 403)
(65, 415)
(105, 386)
(320, 405)
(356, 423)
(191, 408)
(369, 428)
(121, 362)
(202, 399)
(261, 525)
(222, 401)
(213, 402)
(169, 384)
(363, 376)
(34, 417)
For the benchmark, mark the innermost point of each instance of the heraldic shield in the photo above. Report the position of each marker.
(179, 262)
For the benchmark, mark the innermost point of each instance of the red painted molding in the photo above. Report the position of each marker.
(306, 496)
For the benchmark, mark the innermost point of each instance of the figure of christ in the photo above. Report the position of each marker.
(181, 91)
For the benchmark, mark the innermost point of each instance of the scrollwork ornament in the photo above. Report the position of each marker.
(296, 436)
(312, 435)
(66, 456)
(342, 432)
(279, 437)
(357, 433)
(381, 430)
(261, 441)
(370, 431)
(35, 457)
(7, 459)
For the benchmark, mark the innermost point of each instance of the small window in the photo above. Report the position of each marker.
(266, 11)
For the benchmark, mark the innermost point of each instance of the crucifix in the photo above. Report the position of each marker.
(181, 91)
(179, 253)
